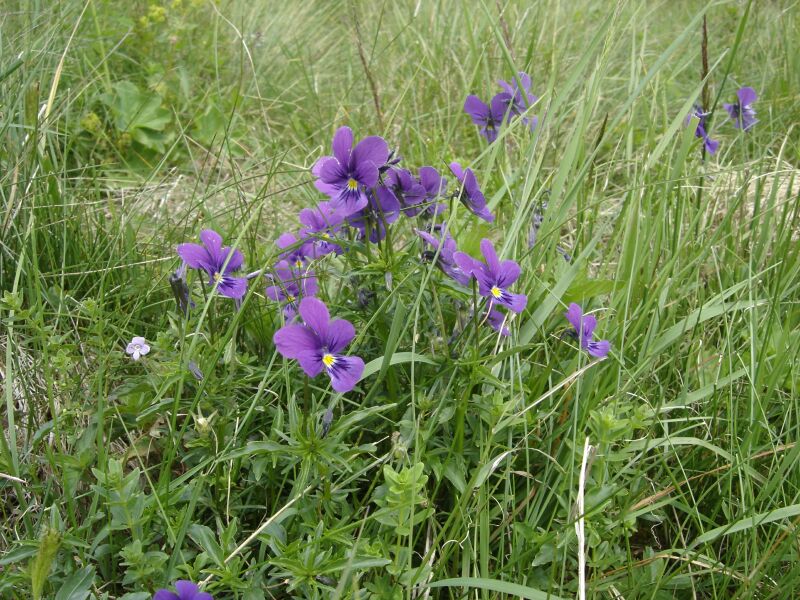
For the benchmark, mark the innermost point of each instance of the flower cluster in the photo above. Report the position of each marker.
(513, 101)
(367, 192)
(741, 113)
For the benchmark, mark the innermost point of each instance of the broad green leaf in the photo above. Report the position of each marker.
(207, 540)
(77, 586)
(133, 108)
(374, 366)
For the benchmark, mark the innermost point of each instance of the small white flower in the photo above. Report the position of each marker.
(137, 348)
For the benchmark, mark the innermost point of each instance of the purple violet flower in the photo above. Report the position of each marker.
(487, 117)
(296, 250)
(537, 219)
(186, 591)
(435, 187)
(470, 193)
(347, 174)
(446, 246)
(742, 112)
(317, 345)
(409, 193)
(516, 100)
(212, 257)
(381, 210)
(710, 145)
(290, 286)
(494, 277)
(137, 348)
(497, 321)
(322, 224)
(180, 289)
(584, 330)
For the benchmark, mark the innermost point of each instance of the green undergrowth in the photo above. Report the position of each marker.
(453, 469)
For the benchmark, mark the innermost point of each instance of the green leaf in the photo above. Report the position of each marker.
(760, 519)
(140, 114)
(210, 126)
(551, 300)
(207, 540)
(18, 554)
(134, 108)
(489, 468)
(374, 366)
(495, 585)
(399, 320)
(701, 315)
(260, 447)
(653, 443)
(356, 562)
(78, 586)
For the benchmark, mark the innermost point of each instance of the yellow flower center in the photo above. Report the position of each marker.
(352, 184)
(328, 360)
(290, 298)
(298, 263)
(496, 292)
(217, 276)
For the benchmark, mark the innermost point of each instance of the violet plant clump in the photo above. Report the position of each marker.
(282, 321)
(351, 250)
